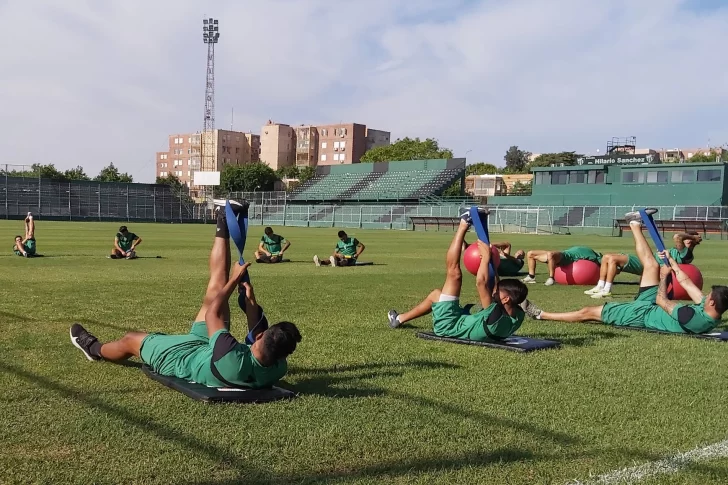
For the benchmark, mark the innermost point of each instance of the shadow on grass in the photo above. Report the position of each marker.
(579, 340)
(15, 316)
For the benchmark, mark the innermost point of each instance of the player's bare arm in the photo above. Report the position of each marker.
(214, 318)
(481, 278)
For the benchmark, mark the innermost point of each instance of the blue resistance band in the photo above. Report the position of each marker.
(481, 230)
(654, 233)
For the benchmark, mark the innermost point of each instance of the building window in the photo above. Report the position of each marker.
(342, 145)
(336, 145)
(577, 177)
(633, 177)
(188, 173)
(595, 177)
(324, 132)
(323, 158)
(323, 144)
(709, 175)
(543, 178)
(659, 177)
(682, 176)
(560, 178)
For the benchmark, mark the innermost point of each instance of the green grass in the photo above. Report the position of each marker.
(377, 405)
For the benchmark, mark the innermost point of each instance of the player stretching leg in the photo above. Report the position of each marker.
(25, 246)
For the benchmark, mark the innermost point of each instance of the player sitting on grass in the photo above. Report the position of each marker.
(613, 264)
(125, 243)
(558, 258)
(501, 315)
(25, 246)
(346, 252)
(209, 354)
(652, 308)
(271, 247)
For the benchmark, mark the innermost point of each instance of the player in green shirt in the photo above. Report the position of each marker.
(510, 265)
(125, 243)
(209, 354)
(501, 315)
(558, 258)
(346, 252)
(613, 264)
(271, 247)
(25, 246)
(652, 308)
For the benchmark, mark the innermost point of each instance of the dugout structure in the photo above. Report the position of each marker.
(409, 181)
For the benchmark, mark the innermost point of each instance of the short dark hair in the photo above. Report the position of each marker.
(516, 290)
(268, 230)
(16, 237)
(279, 341)
(719, 294)
(123, 229)
(342, 233)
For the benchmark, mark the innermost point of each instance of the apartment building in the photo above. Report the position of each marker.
(228, 147)
(307, 142)
(277, 145)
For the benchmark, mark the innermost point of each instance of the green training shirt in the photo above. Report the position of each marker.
(684, 319)
(347, 247)
(273, 244)
(126, 241)
(492, 321)
(510, 267)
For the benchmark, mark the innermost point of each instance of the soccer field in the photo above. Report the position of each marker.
(376, 404)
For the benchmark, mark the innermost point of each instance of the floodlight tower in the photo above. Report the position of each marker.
(211, 36)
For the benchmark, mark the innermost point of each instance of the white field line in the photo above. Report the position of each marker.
(666, 466)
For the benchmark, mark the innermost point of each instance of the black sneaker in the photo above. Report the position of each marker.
(83, 341)
(393, 321)
(238, 207)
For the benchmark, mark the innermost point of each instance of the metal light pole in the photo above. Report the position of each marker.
(210, 36)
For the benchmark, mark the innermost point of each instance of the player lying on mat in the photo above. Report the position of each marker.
(271, 247)
(558, 258)
(346, 252)
(510, 265)
(125, 244)
(501, 315)
(613, 264)
(25, 245)
(652, 308)
(209, 354)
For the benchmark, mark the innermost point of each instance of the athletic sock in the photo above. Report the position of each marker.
(601, 284)
(95, 349)
(607, 287)
(222, 227)
(531, 275)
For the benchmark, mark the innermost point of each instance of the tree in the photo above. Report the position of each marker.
(76, 174)
(407, 149)
(48, 171)
(247, 178)
(289, 172)
(170, 180)
(111, 174)
(701, 157)
(557, 159)
(454, 190)
(516, 160)
(306, 173)
(481, 169)
(520, 188)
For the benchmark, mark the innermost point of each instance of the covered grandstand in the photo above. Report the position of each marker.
(380, 182)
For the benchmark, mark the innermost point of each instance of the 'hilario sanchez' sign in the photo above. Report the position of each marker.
(619, 159)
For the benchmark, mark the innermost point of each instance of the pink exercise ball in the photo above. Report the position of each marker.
(582, 273)
(471, 259)
(675, 291)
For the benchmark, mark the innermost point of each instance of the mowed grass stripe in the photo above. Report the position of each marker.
(376, 404)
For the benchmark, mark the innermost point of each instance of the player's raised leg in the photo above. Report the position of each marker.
(651, 271)
(453, 279)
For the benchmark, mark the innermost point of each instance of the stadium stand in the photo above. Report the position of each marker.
(389, 181)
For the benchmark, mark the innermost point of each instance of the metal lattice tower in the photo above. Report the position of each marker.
(211, 36)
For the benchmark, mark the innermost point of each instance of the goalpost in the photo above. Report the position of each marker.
(528, 220)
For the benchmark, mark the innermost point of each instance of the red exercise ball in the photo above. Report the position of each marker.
(471, 258)
(581, 272)
(675, 291)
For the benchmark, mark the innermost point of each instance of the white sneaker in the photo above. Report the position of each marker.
(316, 260)
(594, 291)
(549, 282)
(602, 294)
(333, 261)
(529, 280)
